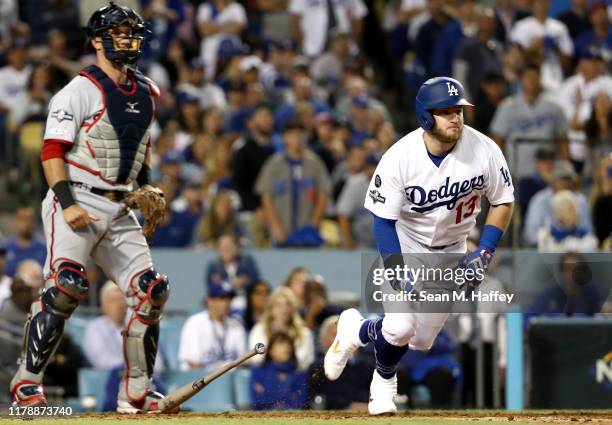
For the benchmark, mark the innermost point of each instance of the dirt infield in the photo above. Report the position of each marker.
(552, 416)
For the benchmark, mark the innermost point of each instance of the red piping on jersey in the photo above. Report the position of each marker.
(93, 80)
(91, 150)
(52, 231)
(89, 170)
(54, 148)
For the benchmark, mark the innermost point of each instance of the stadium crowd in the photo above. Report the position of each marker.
(272, 118)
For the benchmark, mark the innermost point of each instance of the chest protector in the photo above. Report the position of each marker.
(112, 144)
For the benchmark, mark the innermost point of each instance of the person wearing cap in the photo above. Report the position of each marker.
(326, 69)
(312, 21)
(542, 177)
(211, 337)
(197, 85)
(302, 92)
(294, 188)
(528, 115)
(540, 208)
(218, 20)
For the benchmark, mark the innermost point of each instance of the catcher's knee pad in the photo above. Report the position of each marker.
(398, 328)
(147, 294)
(45, 324)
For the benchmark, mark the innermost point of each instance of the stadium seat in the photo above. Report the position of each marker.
(170, 339)
(242, 396)
(92, 383)
(217, 397)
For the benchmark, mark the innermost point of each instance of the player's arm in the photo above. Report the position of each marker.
(500, 215)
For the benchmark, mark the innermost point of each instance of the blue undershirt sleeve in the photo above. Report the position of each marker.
(386, 237)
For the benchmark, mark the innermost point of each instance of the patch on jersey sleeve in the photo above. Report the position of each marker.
(62, 115)
(377, 181)
(376, 196)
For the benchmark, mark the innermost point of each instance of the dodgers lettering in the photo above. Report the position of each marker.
(448, 194)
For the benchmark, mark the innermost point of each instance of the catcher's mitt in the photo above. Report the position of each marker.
(151, 203)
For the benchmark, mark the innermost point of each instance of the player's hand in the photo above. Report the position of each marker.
(77, 217)
(478, 262)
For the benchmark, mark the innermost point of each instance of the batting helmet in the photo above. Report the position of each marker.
(437, 93)
(114, 16)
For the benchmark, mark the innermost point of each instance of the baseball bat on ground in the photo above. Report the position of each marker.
(184, 393)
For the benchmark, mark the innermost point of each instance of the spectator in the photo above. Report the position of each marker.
(539, 211)
(577, 96)
(302, 92)
(478, 56)
(278, 384)
(218, 20)
(601, 197)
(257, 295)
(13, 80)
(9, 15)
(564, 233)
(190, 119)
(209, 94)
(429, 33)
(528, 186)
(354, 220)
(31, 104)
(233, 267)
(351, 390)
(598, 127)
(24, 245)
(317, 305)
(25, 288)
(49, 15)
(312, 21)
(296, 281)
(275, 19)
(489, 96)
(5, 281)
(282, 315)
(357, 87)
(276, 70)
(576, 19)
(545, 37)
(326, 70)
(528, 116)
(570, 294)
(103, 343)
(177, 229)
(220, 220)
(294, 187)
(219, 168)
(60, 56)
(165, 17)
(600, 36)
(322, 139)
(212, 337)
(250, 153)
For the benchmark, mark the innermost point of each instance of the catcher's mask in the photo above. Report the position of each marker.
(122, 32)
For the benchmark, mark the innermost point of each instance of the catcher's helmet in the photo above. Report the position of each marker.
(437, 93)
(114, 16)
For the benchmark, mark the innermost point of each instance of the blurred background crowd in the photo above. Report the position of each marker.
(272, 118)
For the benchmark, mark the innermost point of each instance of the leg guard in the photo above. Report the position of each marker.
(146, 295)
(45, 325)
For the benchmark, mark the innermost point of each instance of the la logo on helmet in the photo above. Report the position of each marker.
(452, 90)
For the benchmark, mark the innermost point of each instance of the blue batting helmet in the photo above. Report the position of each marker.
(437, 93)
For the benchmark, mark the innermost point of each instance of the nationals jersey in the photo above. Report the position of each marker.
(107, 125)
(437, 206)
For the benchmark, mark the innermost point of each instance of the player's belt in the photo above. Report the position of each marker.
(112, 195)
(442, 246)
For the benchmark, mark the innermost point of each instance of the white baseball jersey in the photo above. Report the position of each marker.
(437, 206)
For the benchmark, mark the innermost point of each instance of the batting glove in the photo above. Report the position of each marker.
(405, 285)
(478, 262)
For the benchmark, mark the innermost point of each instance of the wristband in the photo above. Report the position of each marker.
(144, 176)
(63, 193)
(491, 235)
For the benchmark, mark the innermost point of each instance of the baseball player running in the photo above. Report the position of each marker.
(96, 152)
(425, 196)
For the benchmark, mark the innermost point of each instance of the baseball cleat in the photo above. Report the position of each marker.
(28, 394)
(344, 345)
(147, 405)
(382, 393)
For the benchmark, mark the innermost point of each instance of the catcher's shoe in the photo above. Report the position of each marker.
(148, 404)
(28, 394)
(344, 345)
(382, 393)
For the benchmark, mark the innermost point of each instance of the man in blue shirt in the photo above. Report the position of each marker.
(24, 245)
